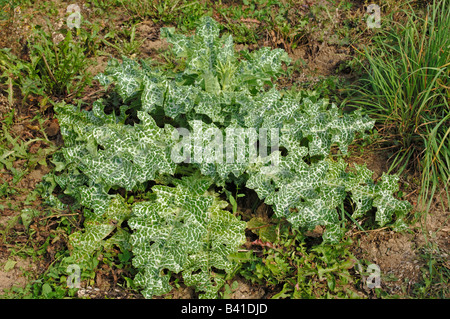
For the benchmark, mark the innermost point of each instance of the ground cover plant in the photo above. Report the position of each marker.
(210, 156)
(185, 228)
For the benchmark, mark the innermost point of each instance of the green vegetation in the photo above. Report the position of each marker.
(304, 272)
(128, 46)
(54, 68)
(182, 13)
(132, 204)
(407, 91)
(218, 93)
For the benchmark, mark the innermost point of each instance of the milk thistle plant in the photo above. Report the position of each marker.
(147, 165)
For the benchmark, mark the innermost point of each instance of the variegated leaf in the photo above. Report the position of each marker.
(185, 229)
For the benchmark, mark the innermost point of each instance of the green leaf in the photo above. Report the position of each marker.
(46, 290)
(97, 228)
(308, 195)
(27, 216)
(265, 230)
(9, 265)
(387, 205)
(184, 230)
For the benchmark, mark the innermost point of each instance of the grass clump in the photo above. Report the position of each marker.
(406, 89)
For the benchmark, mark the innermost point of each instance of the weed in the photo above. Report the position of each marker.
(104, 6)
(54, 68)
(290, 31)
(435, 274)
(407, 90)
(436, 270)
(90, 39)
(61, 66)
(17, 73)
(297, 269)
(229, 289)
(126, 42)
(241, 33)
(183, 13)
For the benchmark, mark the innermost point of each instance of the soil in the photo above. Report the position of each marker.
(246, 290)
(152, 45)
(399, 255)
(12, 270)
